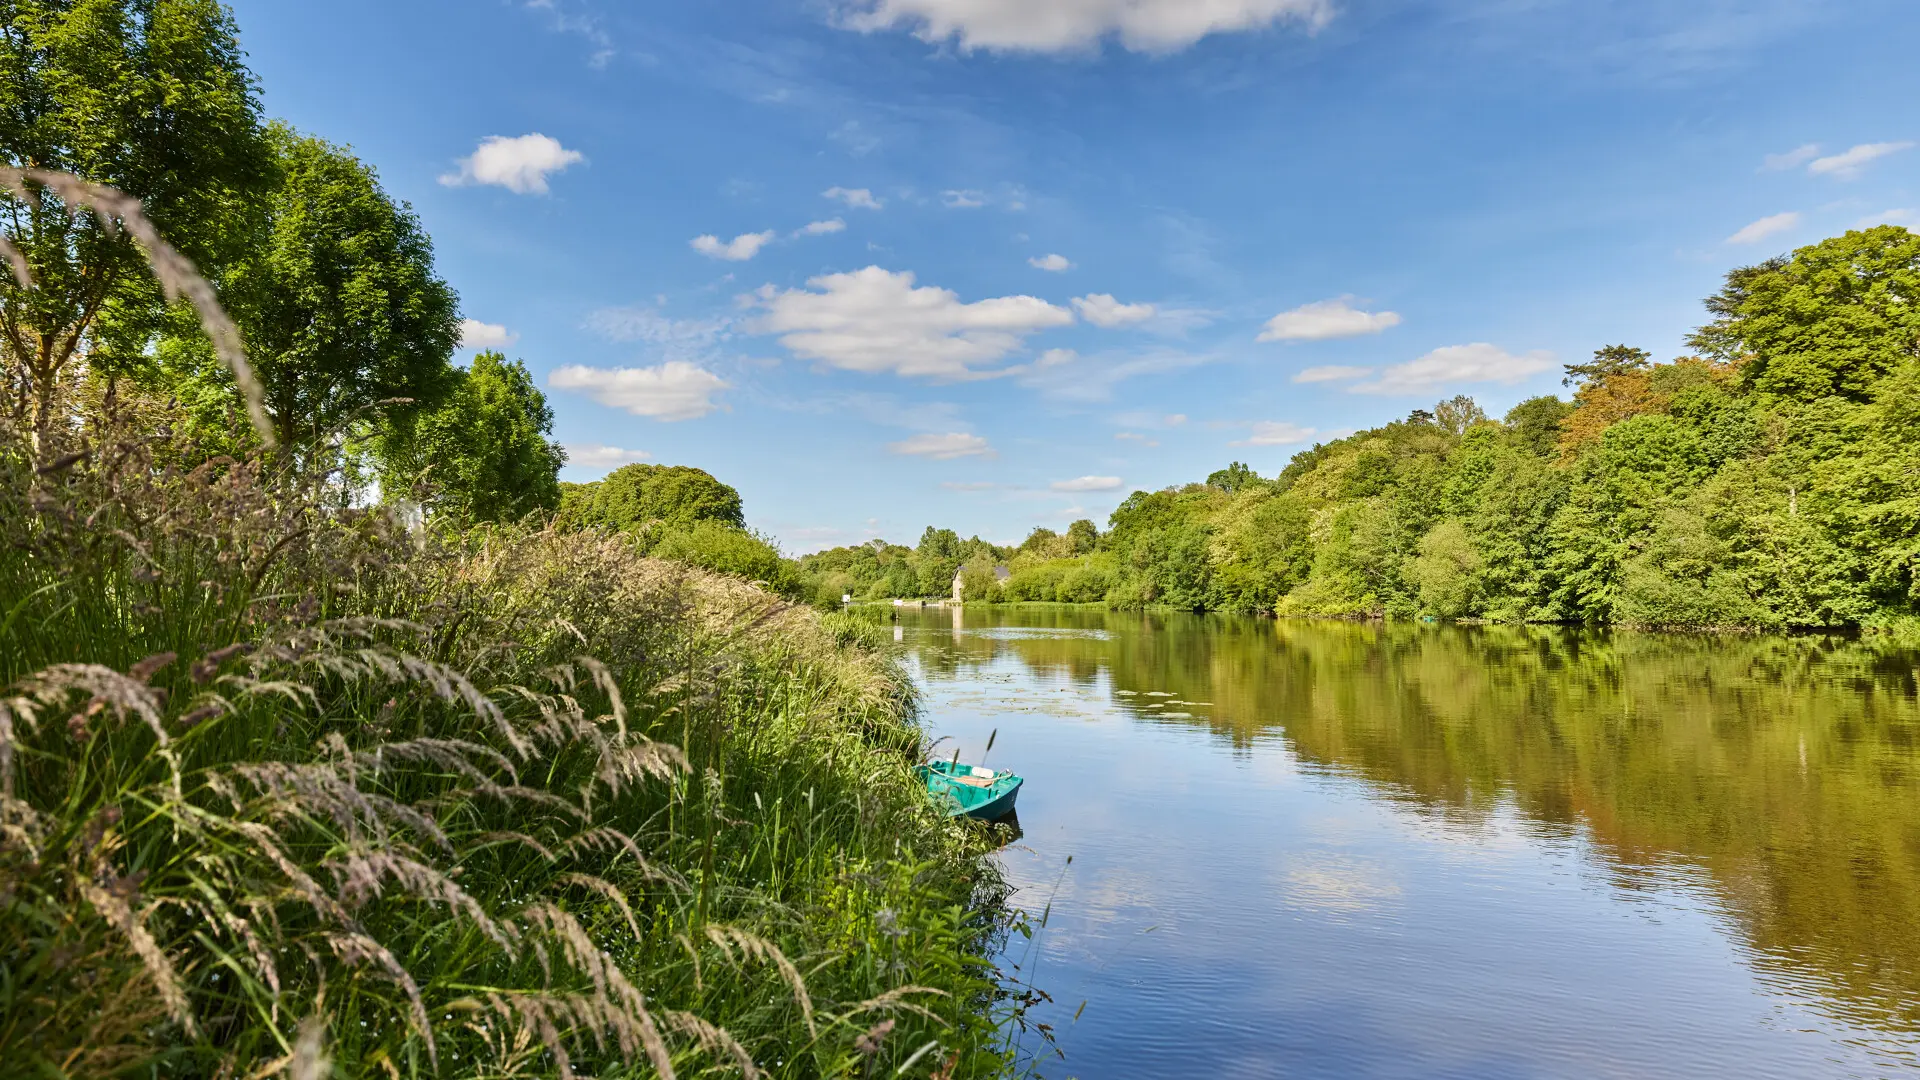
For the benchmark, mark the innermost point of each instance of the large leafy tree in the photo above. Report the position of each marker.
(1830, 320)
(635, 496)
(346, 320)
(151, 97)
(484, 453)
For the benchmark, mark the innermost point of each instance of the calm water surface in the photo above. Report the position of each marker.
(1308, 849)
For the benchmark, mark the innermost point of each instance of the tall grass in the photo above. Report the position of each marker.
(293, 789)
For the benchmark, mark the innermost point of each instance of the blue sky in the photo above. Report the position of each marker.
(992, 264)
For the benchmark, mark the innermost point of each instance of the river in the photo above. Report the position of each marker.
(1318, 849)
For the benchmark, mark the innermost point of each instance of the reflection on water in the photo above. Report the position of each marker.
(1333, 849)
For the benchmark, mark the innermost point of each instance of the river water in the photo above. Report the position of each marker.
(1316, 849)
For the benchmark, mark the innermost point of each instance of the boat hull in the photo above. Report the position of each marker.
(967, 791)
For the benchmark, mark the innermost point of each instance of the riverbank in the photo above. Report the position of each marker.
(290, 782)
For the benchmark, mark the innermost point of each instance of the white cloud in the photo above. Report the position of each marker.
(521, 165)
(475, 334)
(855, 198)
(1102, 310)
(1130, 436)
(1073, 25)
(1325, 320)
(675, 390)
(821, 228)
(967, 199)
(1330, 373)
(1053, 264)
(1847, 165)
(598, 456)
(1277, 433)
(1478, 362)
(1088, 483)
(945, 447)
(1765, 227)
(1792, 159)
(1056, 357)
(875, 320)
(739, 249)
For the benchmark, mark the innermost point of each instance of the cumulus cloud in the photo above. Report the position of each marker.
(1847, 164)
(946, 447)
(599, 456)
(1330, 373)
(821, 228)
(1478, 362)
(475, 334)
(1325, 320)
(966, 199)
(1102, 310)
(675, 390)
(855, 198)
(1088, 483)
(1277, 433)
(875, 320)
(1053, 26)
(1765, 227)
(1053, 264)
(739, 249)
(521, 164)
(1792, 159)
(1056, 357)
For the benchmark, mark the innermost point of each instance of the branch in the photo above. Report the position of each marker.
(118, 211)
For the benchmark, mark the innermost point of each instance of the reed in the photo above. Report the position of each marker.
(286, 788)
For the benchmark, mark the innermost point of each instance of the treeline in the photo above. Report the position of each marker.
(1771, 480)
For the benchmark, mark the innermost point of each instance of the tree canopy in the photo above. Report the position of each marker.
(151, 97)
(632, 497)
(484, 453)
(345, 318)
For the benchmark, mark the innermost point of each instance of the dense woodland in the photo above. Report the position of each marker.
(1771, 480)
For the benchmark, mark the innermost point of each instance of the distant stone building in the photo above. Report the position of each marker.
(1000, 574)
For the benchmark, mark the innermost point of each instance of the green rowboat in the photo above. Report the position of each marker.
(970, 791)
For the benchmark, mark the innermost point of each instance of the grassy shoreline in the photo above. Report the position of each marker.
(284, 784)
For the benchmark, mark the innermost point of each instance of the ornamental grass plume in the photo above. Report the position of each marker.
(290, 788)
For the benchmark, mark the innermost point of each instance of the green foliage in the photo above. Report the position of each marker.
(346, 322)
(1535, 423)
(1828, 321)
(722, 548)
(1609, 362)
(1233, 478)
(84, 85)
(484, 453)
(495, 804)
(634, 497)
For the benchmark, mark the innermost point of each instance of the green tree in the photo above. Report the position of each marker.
(484, 453)
(1608, 362)
(1535, 423)
(1446, 572)
(1233, 478)
(1084, 535)
(151, 97)
(1458, 413)
(346, 322)
(1830, 320)
(634, 497)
